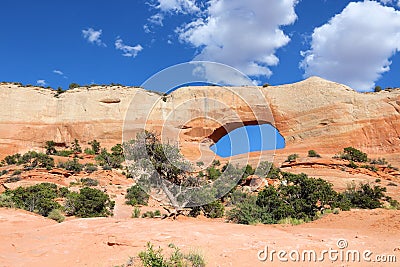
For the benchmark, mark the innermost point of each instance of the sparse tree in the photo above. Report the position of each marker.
(76, 147)
(73, 85)
(50, 148)
(95, 146)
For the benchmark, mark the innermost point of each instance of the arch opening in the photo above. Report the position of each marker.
(248, 137)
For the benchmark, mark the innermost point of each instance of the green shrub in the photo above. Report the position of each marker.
(216, 163)
(327, 211)
(336, 211)
(377, 180)
(38, 198)
(59, 92)
(379, 161)
(89, 202)
(136, 212)
(199, 164)
(377, 89)
(17, 172)
(151, 214)
(128, 173)
(136, 196)
(154, 258)
(73, 85)
(265, 85)
(214, 209)
(196, 259)
(31, 159)
(90, 167)
(248, 212)
(50, 148)
(71, 165)
(56, 215)
(236, 196)
(76, 147)
(63, 191)
(64, 153)
(369, 167)
(157, 213)
(43, 161)
(148, 214)
(6, 200)
(292, 221)
(213, 173)
(393, 204)
(267, 169)
(106, 167)
(365, 196)
(112, 160)
(3, 172)
(89, 182)
(297, 200)
(88, 151)
(13, 179)
(12, 159)
(351, 153)
(389, 166)
(313, 154)
(95, 146)
(292, 157)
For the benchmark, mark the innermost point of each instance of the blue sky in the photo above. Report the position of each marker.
(275, 41)
(249, 139)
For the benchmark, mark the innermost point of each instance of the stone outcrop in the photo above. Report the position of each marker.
(312, 114)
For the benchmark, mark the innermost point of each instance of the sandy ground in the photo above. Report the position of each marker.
(31, 240)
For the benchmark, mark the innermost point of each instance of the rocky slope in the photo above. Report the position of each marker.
(314, 113)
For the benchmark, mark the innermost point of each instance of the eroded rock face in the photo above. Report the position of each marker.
(328, 116)
(312, 114)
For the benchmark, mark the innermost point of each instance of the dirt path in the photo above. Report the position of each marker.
(121, 211)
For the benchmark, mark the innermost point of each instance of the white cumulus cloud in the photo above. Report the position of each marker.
(165, 7)
(179, 6)
(59, 72)
(41, 82)
(355, 46)
(156, 19)
(241, 34)
(93, 36)
(128, 51)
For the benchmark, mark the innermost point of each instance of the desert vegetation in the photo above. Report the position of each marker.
(292, 197)
(156, 257)
(359, 159)
(30, 160)
(45, 199)
(225, 190)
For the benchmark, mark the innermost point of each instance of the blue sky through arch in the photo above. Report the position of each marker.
(249, 139)
(190, 84)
